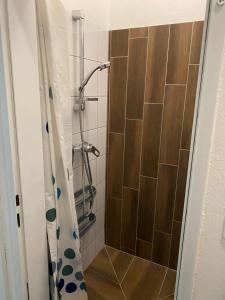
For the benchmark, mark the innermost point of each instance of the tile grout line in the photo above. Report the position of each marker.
(164, 279)
(122, 56)
(115, 273)
(159, 151)
(124, 139)
(128, 268)
(141, 146)
(175, 196)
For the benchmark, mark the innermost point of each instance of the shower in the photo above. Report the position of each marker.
(88, 192)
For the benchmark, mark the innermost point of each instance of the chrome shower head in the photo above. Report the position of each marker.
(100, 68)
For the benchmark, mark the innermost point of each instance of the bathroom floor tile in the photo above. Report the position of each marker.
(103, 266)
(120, 260)
(143, 280)
(168, 287)
(100, 288)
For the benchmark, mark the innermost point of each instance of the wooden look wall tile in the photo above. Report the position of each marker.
(138, 32)
(179, 50)
(129, 219)
(117, 94)
(189, 107)
(168, 287)
(165, 198)
(132, 153)
(136, 77)
(146, 209)
(113, 222)
(161, 248)
(196, 42)
(119, 42)
(172, 124)
(181, 185)
(156, 64)
(144, 249)
(175, 244)
(115, 165)
(151, 139)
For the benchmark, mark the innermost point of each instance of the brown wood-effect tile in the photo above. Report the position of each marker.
(100, 288)
(117, 92)
(146, 210)
(136, 77)
(161, 248)
(196, 42)
(175, 244)
(181, 185)
(189, 107)
(115, 165)
(165, 198)
(168, 287)
(129, 219)
(171, 297)
(119, 42)
(172, 124)
(143, 280)
(144, 249)
(138, 32)
(132, 153)
(113, 222)
(151, 139)
(156, 64)
(179, 52)
(120, 260)
(102, 265)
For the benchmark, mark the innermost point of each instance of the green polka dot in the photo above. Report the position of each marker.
(51, 215)
(67, 270)
(69, 253)
(58, 233)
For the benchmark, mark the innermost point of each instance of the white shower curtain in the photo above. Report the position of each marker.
(65, 267)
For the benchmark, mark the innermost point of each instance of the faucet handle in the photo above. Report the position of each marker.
(95, 151)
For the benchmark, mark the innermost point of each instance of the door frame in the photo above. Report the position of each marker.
(214, 34)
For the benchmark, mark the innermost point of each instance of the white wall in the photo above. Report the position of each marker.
(136, 13)
(95, 114)
(210, 262)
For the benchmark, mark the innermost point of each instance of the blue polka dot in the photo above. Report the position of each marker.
(75, 235)
(50, 93)
(58, 192)
(47, 129)
(79, 276)
(60, 284)
(83, 286)
(67, 270)
(59, 264)
(52, 268)
(71, 287)
(53, 180)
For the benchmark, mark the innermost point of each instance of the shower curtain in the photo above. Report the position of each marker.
(65, 267)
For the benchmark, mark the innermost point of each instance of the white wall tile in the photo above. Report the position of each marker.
(77, 155)
(88, 255)
(91, 40)
(101, 144)
(75, 118)
(101, 196)
(103, 83)
(100, 221)
(103, 54)
(101, 169)
(100, 241)
(91, 89)
(102, 111)
(91, 115)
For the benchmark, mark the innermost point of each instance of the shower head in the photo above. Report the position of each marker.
(88, 77)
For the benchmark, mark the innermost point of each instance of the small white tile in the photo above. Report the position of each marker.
(91, 89)
(77, 159)
(100, 221)
(100, 241)
(102, 140)
(91, 40)
(103, 83)
(89, 255)
(101, 196)
(103, 54)
(102, 111)
(89, 236)
(90, 115)
(101, 169)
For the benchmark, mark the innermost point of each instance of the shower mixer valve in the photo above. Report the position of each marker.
(88, 148)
